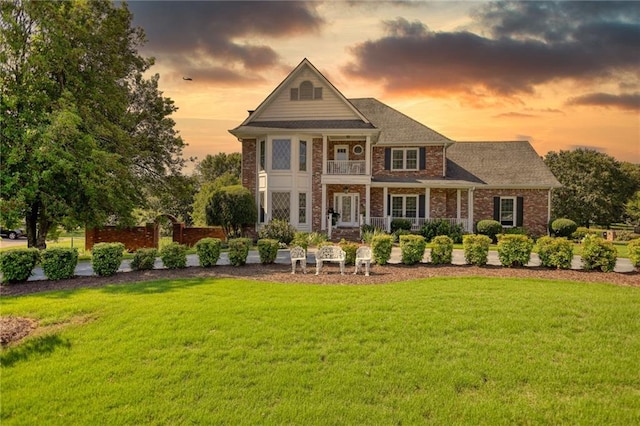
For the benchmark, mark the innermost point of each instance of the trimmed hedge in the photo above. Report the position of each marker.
(563, 227)
(634, 252)
(514, 249)
(268, 250)
(238, 251)
(441, 250)
(144, 259)
(476, 249)
(381, 246)
(489, 227)
(555, 252)
(59, 263)
(174, 256)
(208, 250)
(349, 250)
(400, 224)
(597, 253)
(412, 248)
(106, 258)
(17, 265)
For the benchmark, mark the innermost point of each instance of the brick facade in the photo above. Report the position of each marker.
(133, 238)
(249, 166)
(316, 186)
(535, 204)
(433, 164)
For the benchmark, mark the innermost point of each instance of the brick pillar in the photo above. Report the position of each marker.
(178, 230)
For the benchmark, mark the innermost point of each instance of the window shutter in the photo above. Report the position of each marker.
(421, 201)
(317, 93)
(294, 94)
(496, 208)
(520, 210)
(387, 158)
(423, 158)
(388, 204)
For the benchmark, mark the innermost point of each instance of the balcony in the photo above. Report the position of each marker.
(335, 167)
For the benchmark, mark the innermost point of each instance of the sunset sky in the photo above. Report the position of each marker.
(561, 75)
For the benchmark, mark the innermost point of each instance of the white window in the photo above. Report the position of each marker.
(305, 92)
(404, 159)
(263, 151)
(280, 206)
(302, 156)
(281, 154)
(404, 206)
(508, 211)
(302, 207)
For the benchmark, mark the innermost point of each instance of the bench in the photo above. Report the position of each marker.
(363, 257)
(330, 254)
(298, 254)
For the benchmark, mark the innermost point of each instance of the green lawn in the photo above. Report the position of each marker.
(225, 351)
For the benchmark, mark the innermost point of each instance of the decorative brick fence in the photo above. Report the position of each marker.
(137, 237)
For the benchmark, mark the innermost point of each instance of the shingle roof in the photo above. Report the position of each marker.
(312, 124)
(396, 128)
(510, 164)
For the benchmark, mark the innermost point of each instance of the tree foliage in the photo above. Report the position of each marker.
(594, 186)
(203, 196)
(212, 167)
(231, 207)
(84, 134)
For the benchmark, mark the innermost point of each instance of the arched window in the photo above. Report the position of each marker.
(306, 91)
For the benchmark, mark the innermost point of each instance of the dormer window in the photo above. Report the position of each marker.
(305, 92)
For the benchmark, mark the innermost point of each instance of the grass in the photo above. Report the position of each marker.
(230, 351)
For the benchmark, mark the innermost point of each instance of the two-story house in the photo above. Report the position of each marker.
(308, 151)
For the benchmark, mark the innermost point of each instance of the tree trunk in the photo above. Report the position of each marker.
(37, 226)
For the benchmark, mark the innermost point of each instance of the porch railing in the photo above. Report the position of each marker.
(384, 222)
(335, 167)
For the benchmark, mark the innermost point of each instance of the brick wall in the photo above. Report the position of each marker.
(190, 236)
(249, 166)
(133, 238)
(433, 164)
(535, 202)
(316, 186)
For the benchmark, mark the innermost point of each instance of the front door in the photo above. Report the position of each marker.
(347, 207)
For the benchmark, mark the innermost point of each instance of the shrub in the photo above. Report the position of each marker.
(59, 263)
(598, 253)
(268, 250)
(514, 249)
(399, 223)
(563, 227)
(367, 228)
(441, 250)
(624, 235)
(238, 251)
(106, 258)
(476, 249)
(17, 265)
(433, 228)
(399, 233)
(489, 227)
(634, 252)
(278, 229)
(144, 259)
(301, 239)
(349, 250)
(555, 252)
(381, 246)
(368, 236)
(208, 250)
(581, 232)
(174, 256)
(412, 248)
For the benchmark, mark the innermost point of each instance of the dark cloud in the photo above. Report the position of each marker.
(629, 101)
(529, 44)
(212, 31)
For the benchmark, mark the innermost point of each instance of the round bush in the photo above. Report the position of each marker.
(17, 265)
(563, 227)
(144, 259)
(268, 250)
(412, 248)
(555, 252)
(59, 263)
(476, 249)
(634, 252)
(490, 228)
(441, 250)
(514, 249)
(598, 253)
(381, 246)
(238, 251)
(349, 250)
(174, 256)
(106, 258)
(208, 250)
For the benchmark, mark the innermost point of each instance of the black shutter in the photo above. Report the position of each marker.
(387, 158)
(520, 210)
(421, 200)
(496, 208)
(423, 158)
(388, 204)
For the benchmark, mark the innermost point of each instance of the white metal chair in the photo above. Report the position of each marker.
(363, 257)
(298, 254)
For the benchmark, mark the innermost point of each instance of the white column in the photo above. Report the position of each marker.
(427, 202)
(385, 197)
(323, 213)
(367, 205)
(458, 204)
(367, 158)
(324, 154)
(549, 209)
(470, 211)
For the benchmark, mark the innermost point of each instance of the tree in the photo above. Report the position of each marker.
(84, 136)
(203, 196)
(594, 187)
(232, 207)
(213, 166)
(632, 209)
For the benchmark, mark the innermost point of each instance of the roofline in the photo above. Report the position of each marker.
(289, 77)
(257, 131)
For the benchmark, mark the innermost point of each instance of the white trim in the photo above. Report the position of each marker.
(470, 211)
(458, 203)
(404, 160)
(367, 157)
(515, 211)
(404, 204)
(323, 207)
(335, 151)
(361, 150)
(427, 203)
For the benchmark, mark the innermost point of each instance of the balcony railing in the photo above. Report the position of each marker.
(335, 167)
(384, 223)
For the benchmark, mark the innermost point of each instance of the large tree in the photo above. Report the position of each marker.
(85, 136)
(594, 187)
(212, 167)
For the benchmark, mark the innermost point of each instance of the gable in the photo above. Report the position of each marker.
(280, 107)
